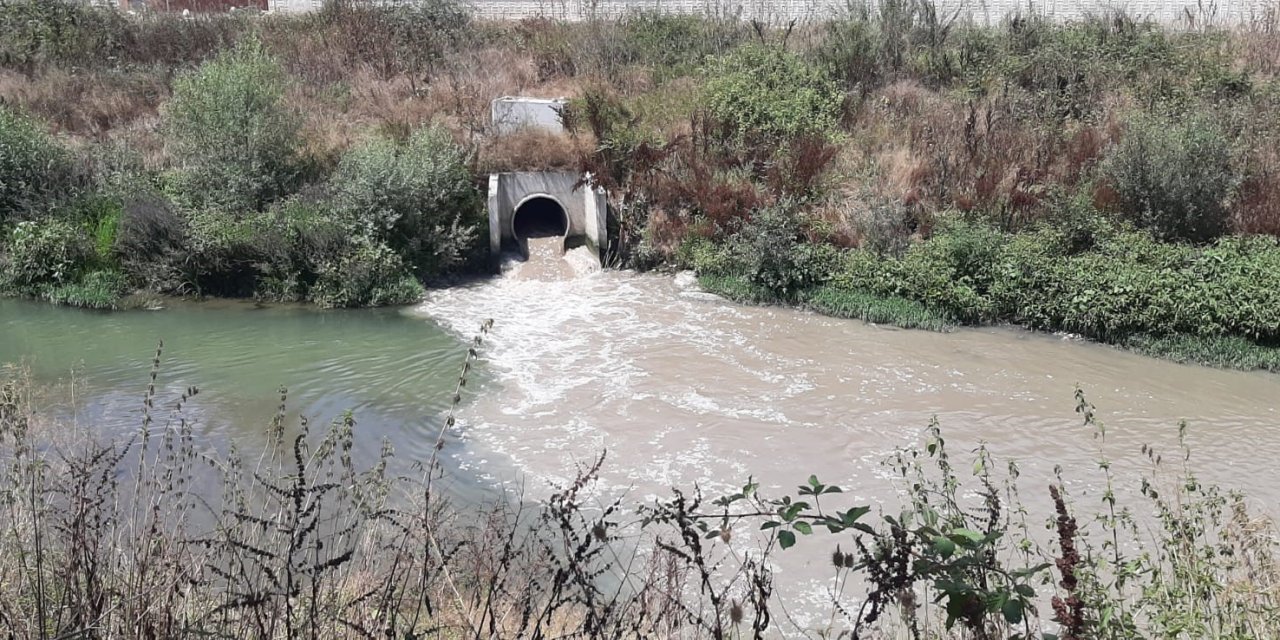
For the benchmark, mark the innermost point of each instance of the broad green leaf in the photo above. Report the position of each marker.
(1012, 611)
(786, 539)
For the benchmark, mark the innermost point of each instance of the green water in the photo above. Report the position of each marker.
(394, 370)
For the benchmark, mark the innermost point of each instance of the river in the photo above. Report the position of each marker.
(678, 386)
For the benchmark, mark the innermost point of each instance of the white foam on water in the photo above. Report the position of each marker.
(683, 389)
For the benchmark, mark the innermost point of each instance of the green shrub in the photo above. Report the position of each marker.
(44, 252)
(771, 252)
(951, 272)
(1174, 177)
(231, 132)
(766, 94)
(676, 44)
(1131, 284)
(367, 275)
(416, 198)
(227, 255)
(34, 169)
(34, 33)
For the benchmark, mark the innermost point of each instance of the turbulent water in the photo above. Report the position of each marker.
(678, 386)
(681, 387)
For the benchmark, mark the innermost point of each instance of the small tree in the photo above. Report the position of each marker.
(234, 138)
(1173, 177)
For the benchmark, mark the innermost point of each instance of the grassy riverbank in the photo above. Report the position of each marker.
(163, 535)
(1108, 176)
(1215, 304)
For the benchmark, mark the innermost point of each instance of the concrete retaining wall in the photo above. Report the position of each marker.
(511, 113)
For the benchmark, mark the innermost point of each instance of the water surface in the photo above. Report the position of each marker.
(395, 371)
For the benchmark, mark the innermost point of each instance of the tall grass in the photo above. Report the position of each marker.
(898, 312)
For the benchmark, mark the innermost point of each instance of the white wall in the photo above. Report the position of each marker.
(983, 11)
(294, 6)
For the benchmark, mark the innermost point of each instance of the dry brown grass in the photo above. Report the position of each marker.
(89, 105)
(990, 154)
(1258, 45)
(533, 150)
(1257, 207)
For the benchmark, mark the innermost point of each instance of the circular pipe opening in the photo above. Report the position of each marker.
(539, 217)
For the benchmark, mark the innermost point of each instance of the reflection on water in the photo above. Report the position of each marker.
(393, 370)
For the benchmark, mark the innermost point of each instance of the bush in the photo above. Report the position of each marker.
(34, 33)
(677, 44)
(34, 169)
(44, 252)
(233, 136)
(1173, 177)
(227, 255)
(150, 243)
(764, 94)
(416, 198)
(368, 275)
(772, 252)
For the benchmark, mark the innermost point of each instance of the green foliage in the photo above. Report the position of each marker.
(738, 289)
(104, 236)
(876, 309)
(34, 168)
(1124, 284)
(676, 44)
(762, 94)
(44, 252)
(1133, 285)
(770, 252)
(225, 253)
(95, 290)
(231, 132)
(367, 275)
(1229, 352)
(40, 32)
(1174, 176)
(414, 197)
(950, 273)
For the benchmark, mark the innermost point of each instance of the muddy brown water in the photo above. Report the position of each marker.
(682, 388)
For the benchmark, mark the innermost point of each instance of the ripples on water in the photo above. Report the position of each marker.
(393, 370)
(680, 387)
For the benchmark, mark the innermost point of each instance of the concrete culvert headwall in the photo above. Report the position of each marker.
(531, 204)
